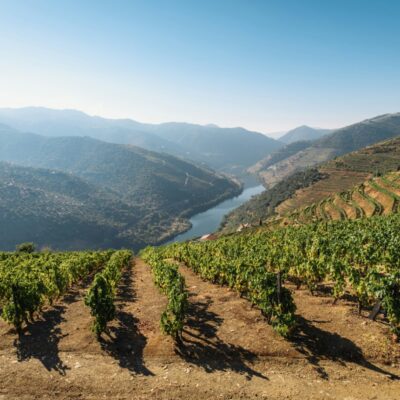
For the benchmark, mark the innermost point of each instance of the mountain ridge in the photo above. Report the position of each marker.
(303, 132)
(162, 190)
(231, 150)
(337, 143)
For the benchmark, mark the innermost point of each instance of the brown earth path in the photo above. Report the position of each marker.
(228, 351)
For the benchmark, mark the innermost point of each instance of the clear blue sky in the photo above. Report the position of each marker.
(265, 65)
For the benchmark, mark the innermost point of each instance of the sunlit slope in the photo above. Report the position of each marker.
(344, 172)
(376, 196)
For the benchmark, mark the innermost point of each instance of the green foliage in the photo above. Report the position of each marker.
(380, 158)
(27, 247)
(360, 255)
(172, 284)
(100, 299)
(30, 280)
(224, 263)
(101, 294)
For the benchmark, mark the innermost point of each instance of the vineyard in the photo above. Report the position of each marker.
(359, 256)
(172, 284)
(30, 281)
(377, 196)
(237, 314)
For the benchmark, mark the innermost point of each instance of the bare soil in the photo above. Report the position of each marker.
(384, 199)
(228, 351)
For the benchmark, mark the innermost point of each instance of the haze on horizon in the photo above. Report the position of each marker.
(265, 65)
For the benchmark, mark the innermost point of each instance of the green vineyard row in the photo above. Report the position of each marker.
(172, 284)
(101, 294)
(362, 256)
(30, 281)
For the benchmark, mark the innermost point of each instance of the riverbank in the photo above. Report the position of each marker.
(209, 221)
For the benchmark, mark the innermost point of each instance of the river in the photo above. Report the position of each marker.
(210, 220)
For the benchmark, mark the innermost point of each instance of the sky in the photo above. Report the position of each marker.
(265, 65)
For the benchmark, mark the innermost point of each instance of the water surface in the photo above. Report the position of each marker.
(210, 220)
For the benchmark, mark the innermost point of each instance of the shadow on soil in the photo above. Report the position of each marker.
(40, 339)
(124, 341)
(200, 344)
(316, 345)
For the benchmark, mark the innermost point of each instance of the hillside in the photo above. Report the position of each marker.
(263, 206)
(58, 210)
(376, 196)
(231, 150)
(304, 188)
(161, 190)
(279, 155)
(303, 132)
(346, 171)
(228, 149)
(339, 142)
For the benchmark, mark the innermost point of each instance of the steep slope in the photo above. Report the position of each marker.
(227, 149)
(346, 171)
(339, 142)
(263, 206)
(304, 132)
(59, 210)
(376, 196)
(279, 155)
(163, 189)
(307, 188)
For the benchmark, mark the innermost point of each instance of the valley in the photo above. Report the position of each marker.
(199, 200)
(262, 306)
(209, 221)
(111, 195)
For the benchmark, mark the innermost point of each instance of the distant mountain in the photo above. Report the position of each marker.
(339, 142)
(279, 155)
(56, 123)
(303, 132)
(227, 149)
(231, 150)
(161, 190)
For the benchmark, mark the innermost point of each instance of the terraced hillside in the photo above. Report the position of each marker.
(376, 196)
(344, 172)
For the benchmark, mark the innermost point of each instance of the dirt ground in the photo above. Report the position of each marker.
(228, 350)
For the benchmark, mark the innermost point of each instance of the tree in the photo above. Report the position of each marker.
(27, 247)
